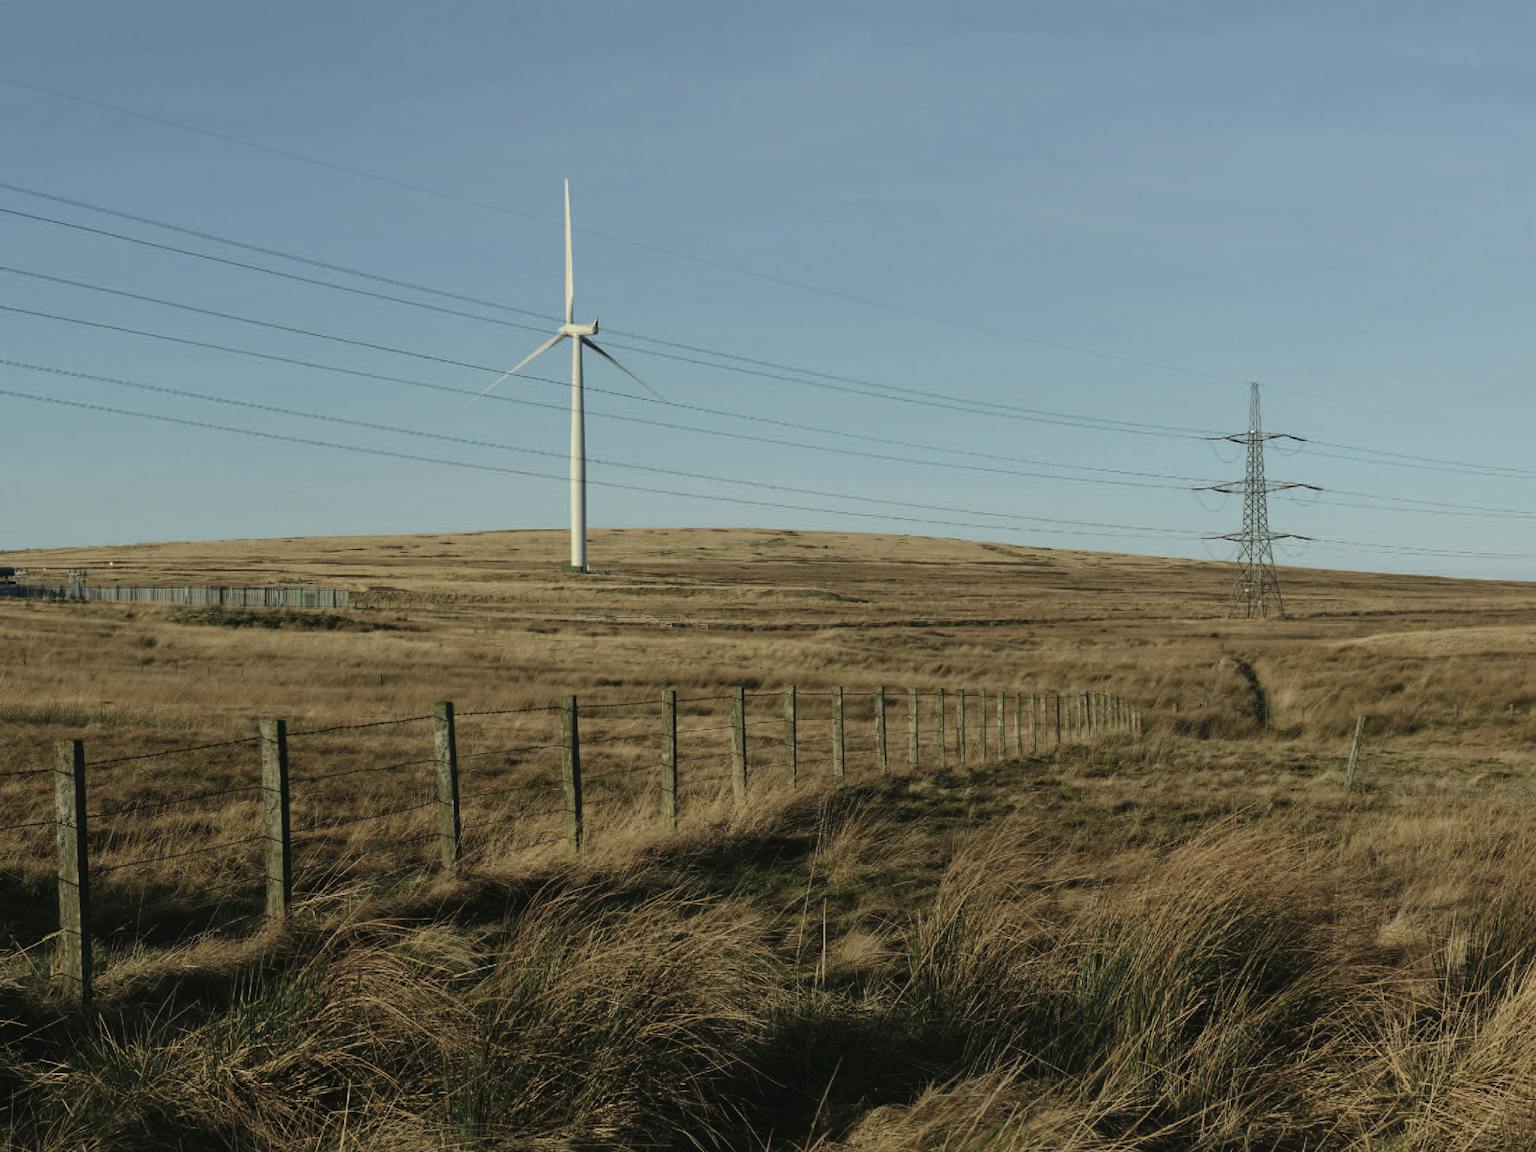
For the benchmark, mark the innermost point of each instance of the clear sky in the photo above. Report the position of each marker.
(1115, 210)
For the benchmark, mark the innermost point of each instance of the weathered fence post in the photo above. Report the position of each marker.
(669, 757)
(981, 722)
(1036, 717)
(1056, 697)
(739, 743)
(960, 748)
(938, 710)
(791, 747)
(881, 756)
(1018, 725)
(1354, 754)
(449, 827)
(1001, 699)
(912, 734)
(570, 771)
(72, 955)
(279, 835)
(837, 733)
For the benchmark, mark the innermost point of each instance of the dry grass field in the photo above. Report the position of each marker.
(1198, 940)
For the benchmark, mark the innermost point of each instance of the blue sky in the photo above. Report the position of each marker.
(1111, 209)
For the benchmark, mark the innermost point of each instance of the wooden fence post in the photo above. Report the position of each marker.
(881, 754)
(1056, 696)
(449, 826)
(938, 707)
(791, 746)
(669, 757)
(279, 832)
(981, 722)
(1018, 725)
(739, 743)
(838, 765)
(72, 955)
(960, 727)
(1001, 699)
(1354, 754)
(570, 771)
(912, 733)
(1036, 718)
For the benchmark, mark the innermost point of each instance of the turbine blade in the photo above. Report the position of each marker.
(592, 344)
(521, 364)
(570, 274)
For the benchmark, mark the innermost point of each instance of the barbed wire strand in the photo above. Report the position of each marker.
(102, 868)
(171, 802)
(349, 820)
(179, 751)
(357, 727)
(311, 778)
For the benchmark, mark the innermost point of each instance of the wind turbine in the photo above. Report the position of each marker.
(580, 336)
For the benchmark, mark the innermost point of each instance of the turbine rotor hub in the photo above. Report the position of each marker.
(579, 329)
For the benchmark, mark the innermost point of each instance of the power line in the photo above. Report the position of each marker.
(1409, 549)
(860, 386)
(967, 407)
(746, 365)
(279, 253)
(1356, 454)
(1430, 507)
(247, 267)
(507, 470)
(396, 282)
(738, 500)
(476, 443)
(1178, 481)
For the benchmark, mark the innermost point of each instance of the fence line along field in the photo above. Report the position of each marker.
(1224, 921)
(595, 768)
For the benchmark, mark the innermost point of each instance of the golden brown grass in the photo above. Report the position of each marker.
(1195, 941)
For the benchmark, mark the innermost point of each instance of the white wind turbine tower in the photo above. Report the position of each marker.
(580, 336)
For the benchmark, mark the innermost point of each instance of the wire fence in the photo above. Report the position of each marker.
(291, 814)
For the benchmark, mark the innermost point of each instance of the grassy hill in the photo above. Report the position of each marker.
(1195, 940)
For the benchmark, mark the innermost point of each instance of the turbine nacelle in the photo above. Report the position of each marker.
(577, 330)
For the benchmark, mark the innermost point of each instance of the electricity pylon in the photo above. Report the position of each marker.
(1257, 590)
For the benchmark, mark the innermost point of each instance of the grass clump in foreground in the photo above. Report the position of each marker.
(952, 962)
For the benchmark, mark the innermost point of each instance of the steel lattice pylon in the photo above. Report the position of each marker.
(1256, 592)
